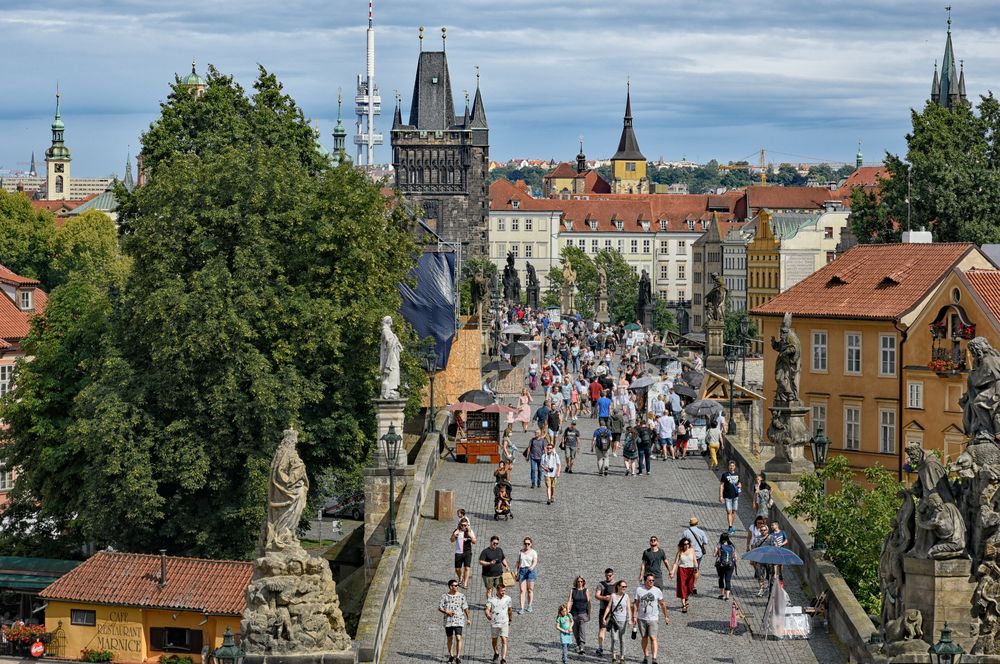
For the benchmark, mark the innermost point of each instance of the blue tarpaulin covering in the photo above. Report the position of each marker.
(430, 306)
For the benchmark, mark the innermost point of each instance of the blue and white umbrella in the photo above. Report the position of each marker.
(772, 555)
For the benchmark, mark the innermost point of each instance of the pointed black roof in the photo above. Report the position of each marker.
(478, 111)
(949, 89)
(628, 146)
(432, 108)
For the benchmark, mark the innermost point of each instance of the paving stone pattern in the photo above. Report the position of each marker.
(595, 522)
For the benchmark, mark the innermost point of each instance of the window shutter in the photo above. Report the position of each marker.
(195, 640)
(157, 638)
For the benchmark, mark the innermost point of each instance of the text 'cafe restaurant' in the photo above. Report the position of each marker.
(140, 607)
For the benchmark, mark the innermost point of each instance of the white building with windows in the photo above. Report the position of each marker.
(525, 227)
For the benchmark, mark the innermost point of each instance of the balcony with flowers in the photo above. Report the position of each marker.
(950, 332)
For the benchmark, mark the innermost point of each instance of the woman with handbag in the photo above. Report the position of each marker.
(617, 617)
(579, 608)
(526, 574)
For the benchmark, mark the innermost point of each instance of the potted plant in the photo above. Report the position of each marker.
(88, 655)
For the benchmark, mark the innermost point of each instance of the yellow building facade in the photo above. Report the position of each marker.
(763, 264)
(628, 165)
(868, 352)
(139, 607)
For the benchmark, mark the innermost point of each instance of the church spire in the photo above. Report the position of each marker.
(628, 146)
(581, 158)
(129, 182)
(948, 90)
(340, 134)
(478, 116)
(33, 170)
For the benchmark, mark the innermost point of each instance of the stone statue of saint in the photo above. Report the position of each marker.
(568, 300)
(645, 296)
(981, 402)
(480, 290)
(602, 281)
(715, 301)
(787, 365)
(389, 360)
(532, 277)
(286, 496)
(944, 523)
(569, 275)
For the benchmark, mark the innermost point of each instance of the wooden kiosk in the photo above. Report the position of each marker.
(482, 438)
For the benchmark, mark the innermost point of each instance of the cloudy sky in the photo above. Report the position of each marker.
(710, 79)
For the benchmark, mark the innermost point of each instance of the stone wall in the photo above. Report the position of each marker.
(848, 621)
(387, 576)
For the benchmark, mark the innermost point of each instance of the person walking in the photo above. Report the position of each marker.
(779, 539)
(570, 444)
(646, 609)
(713, 440)
(699, 544)
(524, 409)
(685, 567)
(526, 574)
(761, 571)
(603, 595)
(564, 625)
(683, 437)
(500, 614)
(617, 425)
(579, 608)
(665, 427)
(630, 451)
(551, 468)
(653, 560)
(645, 444)
(554, 423)
(762, 500)
(725, 565)
(542, 415)
(617, 617)
(600, 445)
(594, 391)
(603, 408)
(464, 538)
(674, 403)
(456, 616)
(729, 493)
(534, 452)
(493, 562)
(507, 447)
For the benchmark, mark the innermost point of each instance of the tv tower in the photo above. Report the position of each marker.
(368, 104)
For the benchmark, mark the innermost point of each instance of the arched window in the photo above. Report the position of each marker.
(59, 184)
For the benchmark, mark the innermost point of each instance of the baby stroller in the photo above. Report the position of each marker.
(501, 498)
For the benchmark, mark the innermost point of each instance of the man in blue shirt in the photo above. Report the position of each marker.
(542, 416)
(674, 401)
(603, 409)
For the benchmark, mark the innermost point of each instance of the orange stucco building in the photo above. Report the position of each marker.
(884, 331)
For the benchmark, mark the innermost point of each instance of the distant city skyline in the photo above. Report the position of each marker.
(806, 81)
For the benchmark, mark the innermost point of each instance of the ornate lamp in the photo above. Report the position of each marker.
(744, 329)
(820, 444)
(390, 447)
(944, 651)
(228, 652)
(731, 361)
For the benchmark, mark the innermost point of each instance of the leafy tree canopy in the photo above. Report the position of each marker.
(25, 234)
(623, 284)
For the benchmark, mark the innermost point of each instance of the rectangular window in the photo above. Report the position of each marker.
(887, 430)
(502, 249)
(528, 224)
(831, 256)
(621, 246)
(515, 224)
(682, 246)
(630, 166)
(6, 373)
(635, 246)
(528, 250)
(681, 271)
(607, 245)
(25, 296)
(664, 247)
(82, 617)
(664, 272)
(818, 411)
(593, 246)
(681, 294)
(887, 355)
(175, 639)
(852, 427)
(515, 204)
(828, 232)
(852, 353)
(819, 350)
(915, 394)
(569, 242)
(515, 249)
(501, 224)
(6, 478)
(646, 246)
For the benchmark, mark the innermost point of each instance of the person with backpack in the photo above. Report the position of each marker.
(601, 444)
(630, 451)
(554, 423)
(617, 425)
(570, 443)
(645, 437)
(725, 565)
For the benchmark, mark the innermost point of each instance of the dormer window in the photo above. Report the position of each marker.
(516, 204)
(690, 224)
(25, 300)
(620, 224)
(663, 224)
(704, 224)
(593, 224)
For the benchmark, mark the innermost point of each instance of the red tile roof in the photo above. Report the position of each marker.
(56, 206)
(986, 284)
(866, 177)
(8, 277)
(880, 281)
(789, 198)
(14, 323)
(563, 170)
(132, 579)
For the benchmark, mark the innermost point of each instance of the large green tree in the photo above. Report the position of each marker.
(259, 278)
(25, 234)
(623, 284)
(948, 183)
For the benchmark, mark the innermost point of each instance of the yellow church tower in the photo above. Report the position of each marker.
(628, 166)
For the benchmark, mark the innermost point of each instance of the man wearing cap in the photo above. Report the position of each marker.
(699, 542)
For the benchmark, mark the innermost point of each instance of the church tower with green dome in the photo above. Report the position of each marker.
(193, 82)
(57, 160)
(340, 155)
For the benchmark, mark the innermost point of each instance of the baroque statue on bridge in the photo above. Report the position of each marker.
(788, 363)
(715, 300)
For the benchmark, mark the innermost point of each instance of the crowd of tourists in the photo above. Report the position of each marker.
(586, 373)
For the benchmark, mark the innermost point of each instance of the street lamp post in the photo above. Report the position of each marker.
(731, 374)
(228, 652)
(498, 309)
(945, 651)
(390, 447)
(820, 445)
(744, 341)
(430, 364)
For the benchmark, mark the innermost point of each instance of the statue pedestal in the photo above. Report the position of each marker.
(789, 435)
(387, 411)
(646, 315)
(942, 591)
(601, 314)
(715, 356)
(533, 296)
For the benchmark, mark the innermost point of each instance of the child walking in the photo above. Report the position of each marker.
(564, 625)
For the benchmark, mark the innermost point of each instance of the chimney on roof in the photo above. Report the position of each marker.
(163, 568)
(918, 237)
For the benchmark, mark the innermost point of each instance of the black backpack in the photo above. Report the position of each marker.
(727, 555)
(603, 441)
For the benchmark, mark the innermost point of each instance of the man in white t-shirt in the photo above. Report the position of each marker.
(499, 613)
(665, 427)
(646, 615)
(551, 468)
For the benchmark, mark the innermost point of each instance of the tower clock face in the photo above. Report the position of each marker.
(60, 168)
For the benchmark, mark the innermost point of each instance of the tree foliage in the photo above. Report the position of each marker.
(951, 176)
(623, 284)
(663, 317)
(853, 521)
(731, 328)
(259, 278)
(25, 234)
